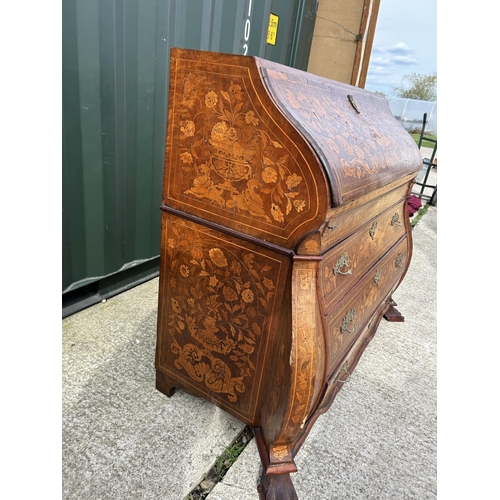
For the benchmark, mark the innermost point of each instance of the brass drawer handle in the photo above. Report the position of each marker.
(377, 276)
(342, 262)
(342, 370)
(348, 320)
(399, 260)
(373, 229)
(395, 220)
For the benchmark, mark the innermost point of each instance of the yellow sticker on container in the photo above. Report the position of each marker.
(272, 30)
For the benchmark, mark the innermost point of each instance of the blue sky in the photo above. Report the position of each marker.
(405, 42)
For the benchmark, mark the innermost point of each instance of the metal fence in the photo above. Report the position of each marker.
(410, 112)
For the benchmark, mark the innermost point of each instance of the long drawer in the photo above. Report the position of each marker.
(346, 263)
(343, 222)
(348, 316)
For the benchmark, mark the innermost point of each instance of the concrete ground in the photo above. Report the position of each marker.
(122, 439)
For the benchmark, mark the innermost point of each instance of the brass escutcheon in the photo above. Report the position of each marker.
(395, 220)
(348, 320)
(342, 262)
(399, 260)
(373, 229)
(376, 278)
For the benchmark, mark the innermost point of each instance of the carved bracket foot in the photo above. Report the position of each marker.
(276, 487)
(392, 314)
(165, 384)
(275, 482)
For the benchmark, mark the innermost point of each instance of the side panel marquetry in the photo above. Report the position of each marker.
(218, 314)
(232, 159)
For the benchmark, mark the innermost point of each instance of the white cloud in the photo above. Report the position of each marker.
(399, 48)
(380, 70)
(407, 60)
(380, 61)
(387, 60)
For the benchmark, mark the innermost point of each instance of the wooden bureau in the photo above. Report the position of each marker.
(285, 231)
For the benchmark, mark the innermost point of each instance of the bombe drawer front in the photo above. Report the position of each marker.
(343, 222)
(346, 263)
(348, 316)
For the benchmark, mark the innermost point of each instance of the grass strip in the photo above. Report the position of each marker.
(425, 143)
(222, 464)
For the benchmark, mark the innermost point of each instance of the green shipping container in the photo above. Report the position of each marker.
(115, 63)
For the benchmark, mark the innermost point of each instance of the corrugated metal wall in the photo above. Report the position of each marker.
(115, 88)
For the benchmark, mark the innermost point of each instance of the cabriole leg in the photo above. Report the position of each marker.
(392, 314)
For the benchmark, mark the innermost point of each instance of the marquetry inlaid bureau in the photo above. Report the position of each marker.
(285, 232)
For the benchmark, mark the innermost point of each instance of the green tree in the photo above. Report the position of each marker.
(422, 87)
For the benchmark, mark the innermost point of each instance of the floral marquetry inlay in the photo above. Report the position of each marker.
(326, 115)
(228, 158)
(219, 299)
